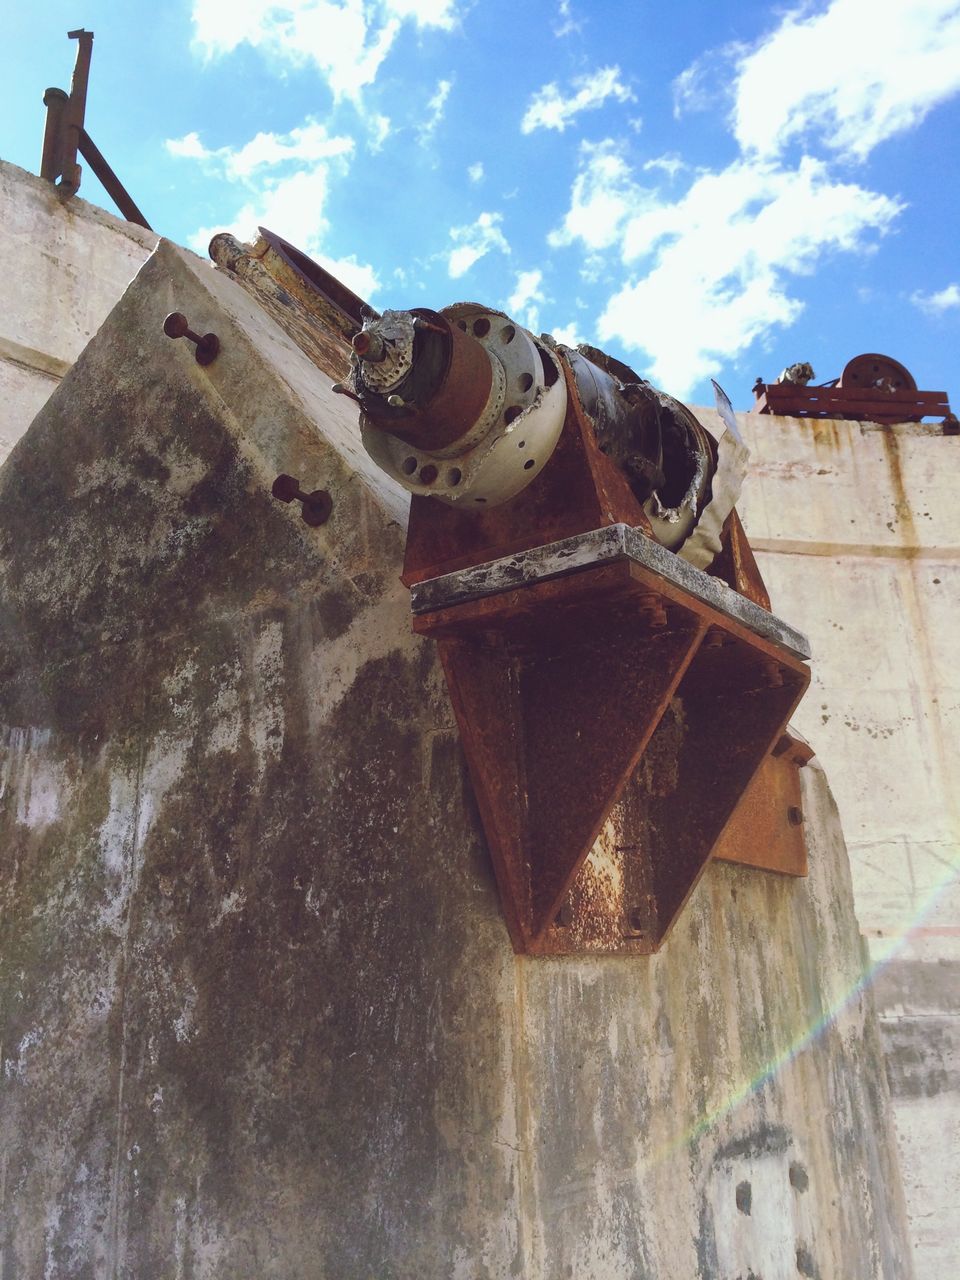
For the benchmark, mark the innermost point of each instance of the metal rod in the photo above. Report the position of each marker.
(54, 100)
(73, 114)
(111, 183)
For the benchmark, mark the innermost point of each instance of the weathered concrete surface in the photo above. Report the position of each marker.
(260, 1016)
(62, 269)
(857, 536)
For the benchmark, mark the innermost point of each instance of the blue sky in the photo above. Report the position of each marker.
(703, 189)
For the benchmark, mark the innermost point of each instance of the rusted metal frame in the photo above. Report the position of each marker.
(854, 403)
(515, 618)
(486, 678)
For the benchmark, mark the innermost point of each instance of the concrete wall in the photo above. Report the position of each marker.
(62, 267)
(857, 534)
(260, 1017)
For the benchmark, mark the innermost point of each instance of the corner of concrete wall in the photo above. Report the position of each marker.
(260, 1016)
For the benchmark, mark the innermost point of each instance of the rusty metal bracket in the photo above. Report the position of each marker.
(766, 829)
(614, 704)
(64, 136)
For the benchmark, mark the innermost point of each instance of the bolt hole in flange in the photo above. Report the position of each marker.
(528, 464)
(409, 466)
(525, 381)
(521, 444)
(428, 473)
(507, 334)
(481, 327)
(454, 476)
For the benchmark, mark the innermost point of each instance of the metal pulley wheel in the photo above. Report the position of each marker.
(874, 372)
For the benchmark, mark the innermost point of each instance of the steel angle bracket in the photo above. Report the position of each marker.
(614, 704)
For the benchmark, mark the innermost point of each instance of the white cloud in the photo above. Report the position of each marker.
(475, 172)
(604, 194)
(936, 303)
(475, 241)
(707, 81)
(715, 263)
(379, 127)
(522, 303)
(549, 109)
(567, 335)
(358, 276)
(671, 165)
(567, 24)
(292, 206)
(306, 144)
(189, 147)
(287, 179)
(851, 75)
(347, 40)
(426, 13)
(435, 109)
(711, 268)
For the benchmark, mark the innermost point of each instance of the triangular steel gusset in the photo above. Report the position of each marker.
(614, 704)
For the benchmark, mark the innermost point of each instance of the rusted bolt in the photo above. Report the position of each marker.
(316, 506)
(176, 325)
(795, 815)
(772, 675)
(652, 610)
(715, 639)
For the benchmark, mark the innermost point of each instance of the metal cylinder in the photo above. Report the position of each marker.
(55, 100)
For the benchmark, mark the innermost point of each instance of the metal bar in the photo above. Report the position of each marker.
(111, 183)
(55, 100)
(73, 114)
